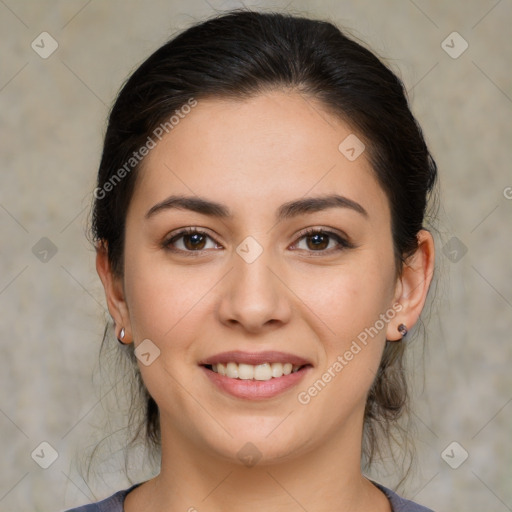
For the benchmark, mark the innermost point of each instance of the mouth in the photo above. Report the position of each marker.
(255, 375)
(261, 372)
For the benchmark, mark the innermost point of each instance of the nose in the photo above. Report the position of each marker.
(254, 297)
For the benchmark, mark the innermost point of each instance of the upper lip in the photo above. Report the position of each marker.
(255, 358)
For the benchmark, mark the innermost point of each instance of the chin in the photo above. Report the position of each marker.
(256, 444)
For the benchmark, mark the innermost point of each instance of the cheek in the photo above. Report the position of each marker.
(348, 317)
(167, 306)
(346, 300)
(163, 300)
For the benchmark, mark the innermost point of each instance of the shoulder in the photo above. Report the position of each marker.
(112, 504)
(400, 504)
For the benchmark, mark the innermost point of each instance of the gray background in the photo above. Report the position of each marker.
(53, 115)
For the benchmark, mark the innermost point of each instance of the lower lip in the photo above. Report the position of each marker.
(255, 389)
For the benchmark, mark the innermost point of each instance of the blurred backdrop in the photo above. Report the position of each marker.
(62, 62)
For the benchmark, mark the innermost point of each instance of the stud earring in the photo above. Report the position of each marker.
(121, 336)
(402, 329)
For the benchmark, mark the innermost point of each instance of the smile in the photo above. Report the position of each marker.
(255, 376)
(265, 371)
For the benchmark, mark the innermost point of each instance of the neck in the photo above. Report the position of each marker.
(325, 478)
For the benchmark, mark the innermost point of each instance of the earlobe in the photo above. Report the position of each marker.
(413, 286)
(114, 292)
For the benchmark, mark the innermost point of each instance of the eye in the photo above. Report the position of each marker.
(321, 240)
(190, 240)
(193, 240)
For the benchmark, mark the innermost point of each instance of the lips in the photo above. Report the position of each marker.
(255, 358)
(259, 384)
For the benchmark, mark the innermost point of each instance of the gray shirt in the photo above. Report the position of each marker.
(115, 502)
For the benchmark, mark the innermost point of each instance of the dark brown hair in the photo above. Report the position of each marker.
(240, 54)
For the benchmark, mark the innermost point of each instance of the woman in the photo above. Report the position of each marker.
(259, 225)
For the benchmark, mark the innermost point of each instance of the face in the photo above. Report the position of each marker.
(252, 239)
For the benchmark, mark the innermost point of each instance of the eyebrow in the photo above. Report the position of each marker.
(287, 210)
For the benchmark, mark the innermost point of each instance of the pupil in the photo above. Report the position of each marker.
(319, 241)
(193, 240)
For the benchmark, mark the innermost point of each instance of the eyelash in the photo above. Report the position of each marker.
(342, 242)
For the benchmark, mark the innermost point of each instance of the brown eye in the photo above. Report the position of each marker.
(190, 240)
(321, 241)
(195, 241)
(318, 241)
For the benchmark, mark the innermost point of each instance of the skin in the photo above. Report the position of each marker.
(252, 156)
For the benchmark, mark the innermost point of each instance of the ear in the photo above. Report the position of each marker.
(114, 292)
(412, 285)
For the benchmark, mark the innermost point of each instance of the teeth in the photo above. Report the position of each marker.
(232, 370)
(265, 371)
(277, 369)
(245, 371)
(287, 368)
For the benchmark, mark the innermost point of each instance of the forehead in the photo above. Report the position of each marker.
(270, 147)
